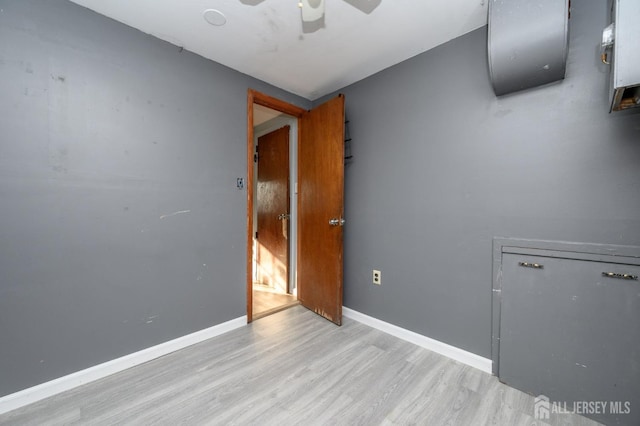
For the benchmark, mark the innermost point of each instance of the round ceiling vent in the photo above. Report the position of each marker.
(214, 17)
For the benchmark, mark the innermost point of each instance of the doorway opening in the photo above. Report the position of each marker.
(272, 142)
(313, 222)
(274, 242)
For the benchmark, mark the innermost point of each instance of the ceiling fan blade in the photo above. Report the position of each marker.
(366, 6)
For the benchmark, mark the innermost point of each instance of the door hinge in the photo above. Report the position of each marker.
(255, 156)
(256, 235)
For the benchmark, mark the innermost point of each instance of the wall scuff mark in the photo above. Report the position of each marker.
(175, 213)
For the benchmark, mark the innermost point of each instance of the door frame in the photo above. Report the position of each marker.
(257, 98)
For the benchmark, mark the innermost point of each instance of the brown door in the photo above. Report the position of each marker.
(272, 248)
(321, 209)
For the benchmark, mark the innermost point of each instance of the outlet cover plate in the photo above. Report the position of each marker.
(377, 277)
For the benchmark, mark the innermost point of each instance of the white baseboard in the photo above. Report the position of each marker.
(457, 354)
(28, 396)
(79, 378)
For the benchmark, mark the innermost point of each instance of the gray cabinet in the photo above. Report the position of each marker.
(625, 74)
(569, 329)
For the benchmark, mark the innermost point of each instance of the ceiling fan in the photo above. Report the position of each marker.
(313, 10)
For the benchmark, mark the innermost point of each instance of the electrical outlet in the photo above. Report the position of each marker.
(377, 277)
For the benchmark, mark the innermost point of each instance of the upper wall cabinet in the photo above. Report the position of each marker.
(623, 36)
(528, 43)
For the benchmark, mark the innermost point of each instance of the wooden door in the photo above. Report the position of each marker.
(272, 248)
(321, 209)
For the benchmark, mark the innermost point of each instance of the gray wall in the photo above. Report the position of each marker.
(104, 133)
(441, 166)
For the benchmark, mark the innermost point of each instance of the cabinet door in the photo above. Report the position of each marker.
(570, 333)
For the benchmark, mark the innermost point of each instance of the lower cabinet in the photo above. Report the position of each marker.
(569, 331)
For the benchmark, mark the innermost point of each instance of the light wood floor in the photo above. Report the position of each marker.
(267, 301)
(294, 368)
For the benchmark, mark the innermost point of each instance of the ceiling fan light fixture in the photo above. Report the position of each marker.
(312, 10)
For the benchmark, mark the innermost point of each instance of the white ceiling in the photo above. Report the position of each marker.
(266, 38)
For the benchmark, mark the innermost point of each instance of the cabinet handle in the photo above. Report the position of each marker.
(620, 276)
(531, 265)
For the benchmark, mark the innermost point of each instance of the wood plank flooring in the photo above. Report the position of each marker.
(269, 301)
(294, 368)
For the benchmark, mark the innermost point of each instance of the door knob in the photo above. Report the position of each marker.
(336, 222)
